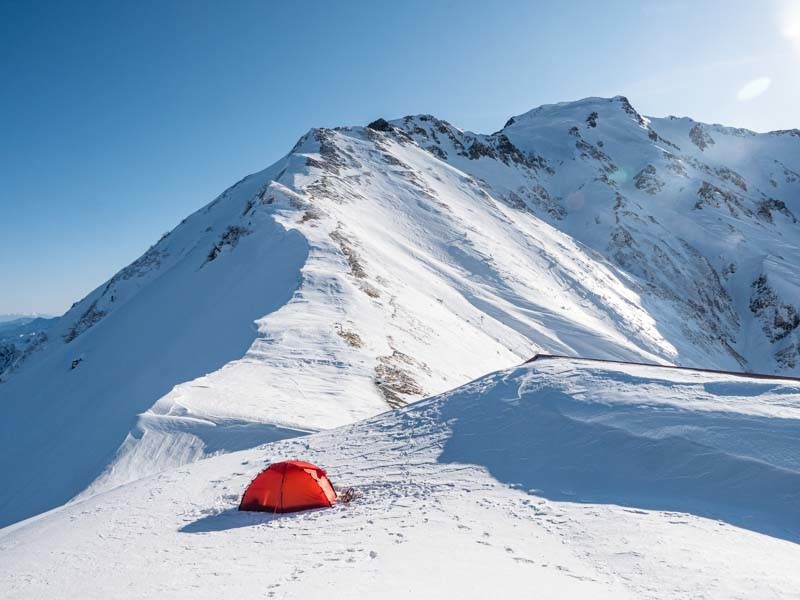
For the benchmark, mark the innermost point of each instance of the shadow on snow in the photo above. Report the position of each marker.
(233, 518)
(744, 470)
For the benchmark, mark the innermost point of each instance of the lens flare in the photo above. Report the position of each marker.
(753, 89)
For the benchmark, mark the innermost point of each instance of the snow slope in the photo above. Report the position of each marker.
(377, 265)
(556, 479)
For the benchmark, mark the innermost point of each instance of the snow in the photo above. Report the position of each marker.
(560, 478)
(82, 415)
(367, 269)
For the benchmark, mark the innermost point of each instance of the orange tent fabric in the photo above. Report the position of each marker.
(289, 486)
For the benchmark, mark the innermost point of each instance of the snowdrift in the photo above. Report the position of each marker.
(568, 478)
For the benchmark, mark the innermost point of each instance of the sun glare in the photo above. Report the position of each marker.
(789, 23)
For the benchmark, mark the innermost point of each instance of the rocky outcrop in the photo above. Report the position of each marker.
(767, 207)
(648, 181)
(700, 137)
(710, 195)
(89, 318)
(230, 238)
(778, 318)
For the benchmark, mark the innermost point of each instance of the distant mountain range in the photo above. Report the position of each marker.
(22, 317)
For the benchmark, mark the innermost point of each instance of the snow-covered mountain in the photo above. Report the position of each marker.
(376, 265)
(18, 333)
(561, 479)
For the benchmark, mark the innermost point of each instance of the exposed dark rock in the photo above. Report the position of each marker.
(8, 355)
(653, 135)
(789, 357)
(770, 205)
(248, 207)
(732, 176)
(353, 259)
(535, 197)
(479, 149)
(147, 262)
(676, 165)
(348, 335)
(588, 150)
(628, 108)
(711, 195)
(437, 152)
(334, 157)
(90, 317)
(700, 137)
(394, 379)
(231, 238)
(509, 153)
(647, 180)
(624, 250)
(380, 125)
(778, 318)
(786, 132)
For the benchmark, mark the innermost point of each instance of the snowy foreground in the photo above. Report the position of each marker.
(558, 479)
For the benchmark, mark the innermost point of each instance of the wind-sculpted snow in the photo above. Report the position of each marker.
(570, 478)
(373, 266)
(651, 455)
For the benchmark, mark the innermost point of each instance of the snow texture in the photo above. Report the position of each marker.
(561, 478)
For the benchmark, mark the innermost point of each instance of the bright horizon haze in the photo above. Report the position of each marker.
(120, 119)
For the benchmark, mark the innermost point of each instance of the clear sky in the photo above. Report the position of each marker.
(119, 118)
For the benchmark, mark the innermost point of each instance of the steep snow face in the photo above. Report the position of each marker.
(373, 266)
(574, 479)
(702, 219)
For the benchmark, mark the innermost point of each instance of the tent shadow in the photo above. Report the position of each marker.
(233, 518)
(559, 448)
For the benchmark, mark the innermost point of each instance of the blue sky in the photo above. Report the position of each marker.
(119, 118)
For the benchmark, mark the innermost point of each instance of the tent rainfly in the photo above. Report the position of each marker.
(289, 486)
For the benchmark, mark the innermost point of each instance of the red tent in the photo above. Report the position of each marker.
(289, 486)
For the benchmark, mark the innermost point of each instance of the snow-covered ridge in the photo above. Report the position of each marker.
(691, 210)
(575, 479)
(376, 265)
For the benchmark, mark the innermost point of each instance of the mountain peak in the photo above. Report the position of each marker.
(585, 109)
